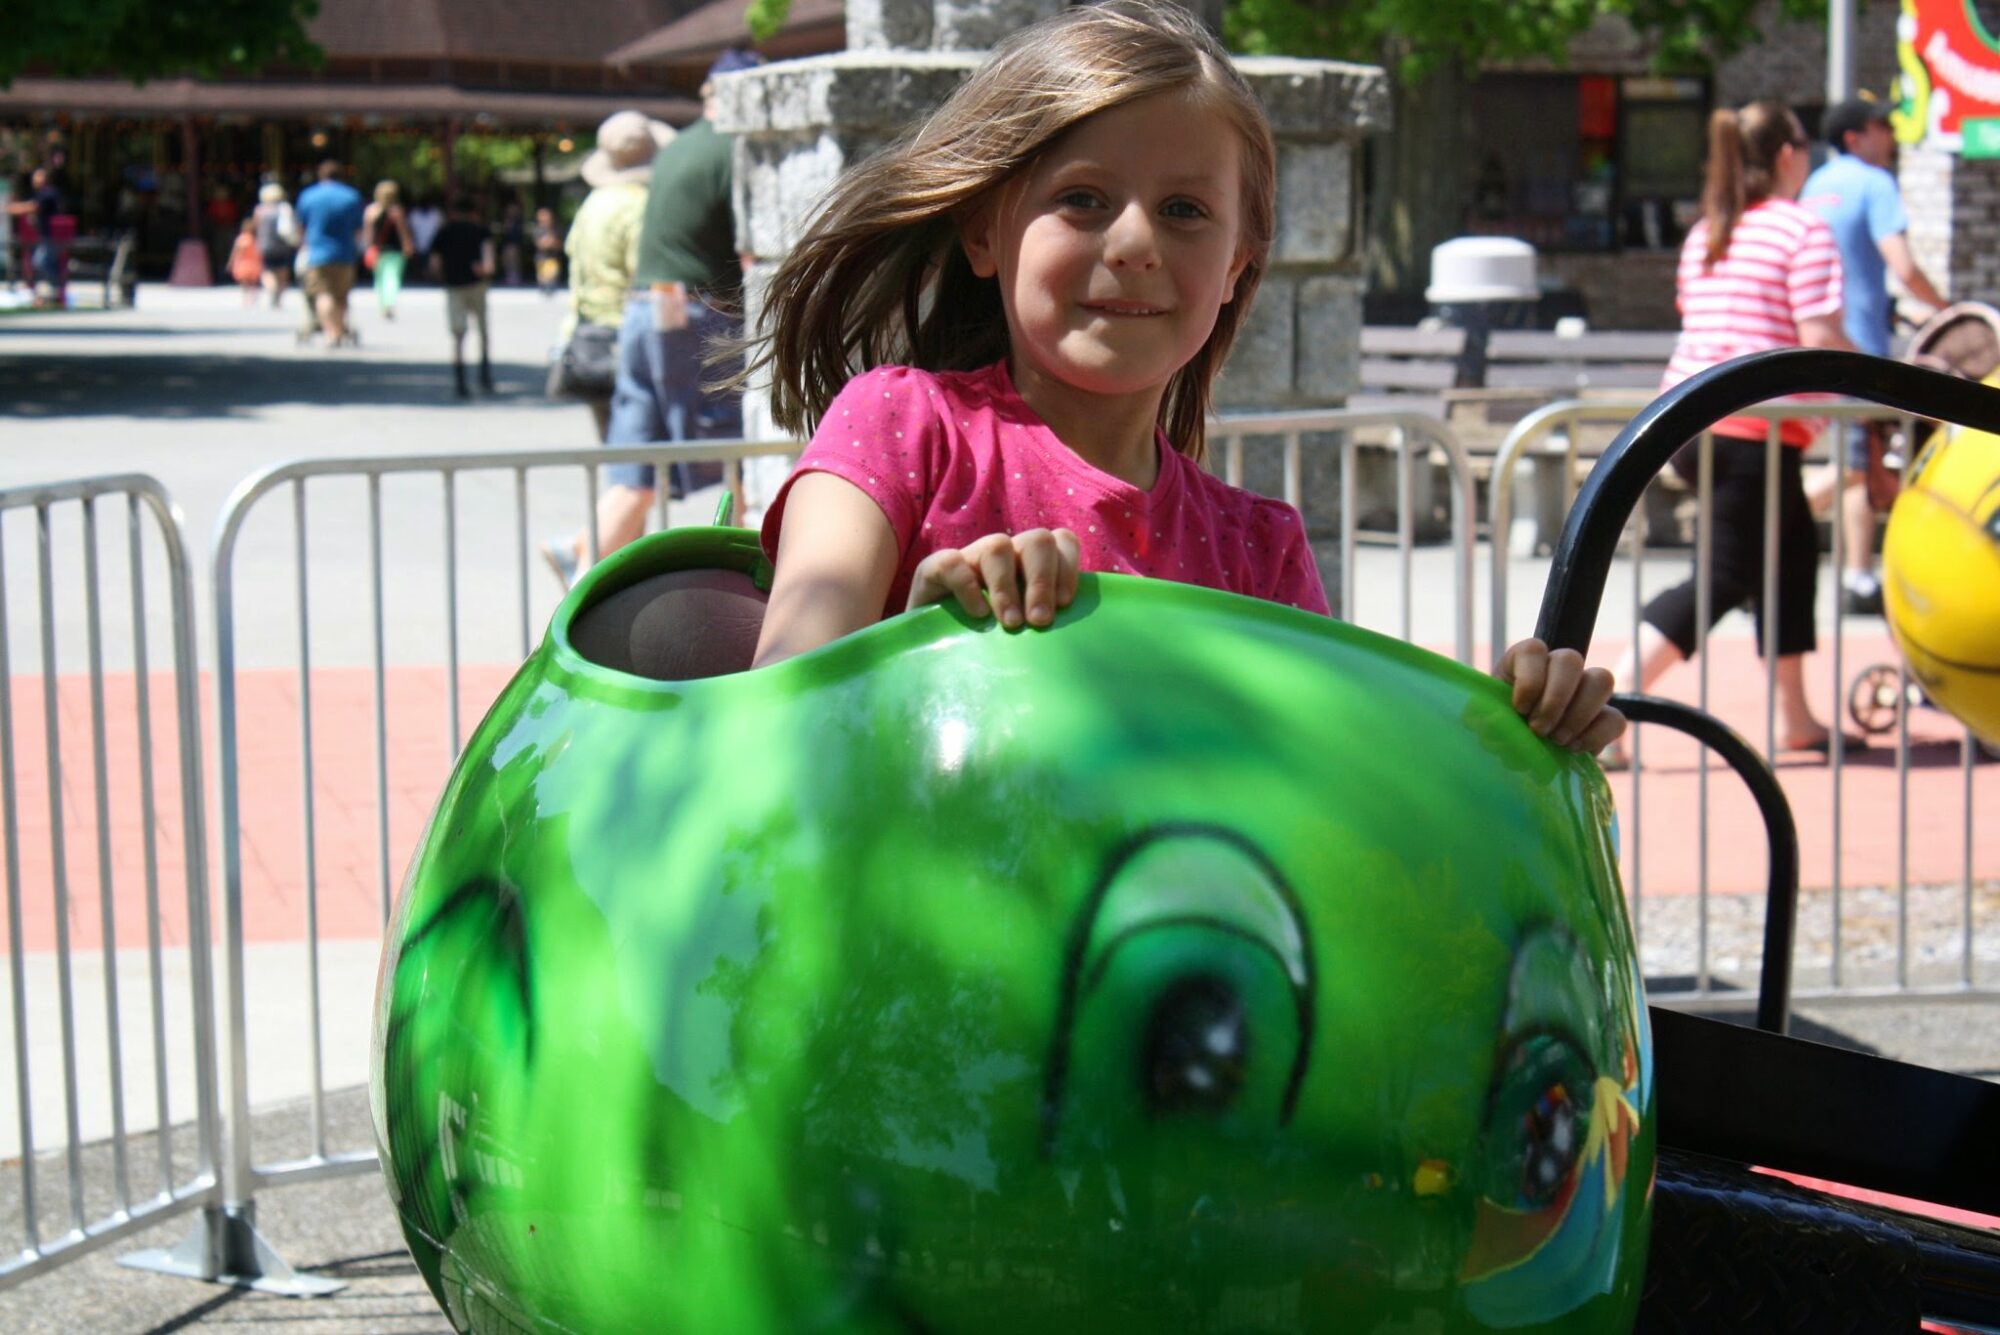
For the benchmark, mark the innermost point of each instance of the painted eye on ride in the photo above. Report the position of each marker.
(1187, 999)
(1197, 1047)
(1537, 1121)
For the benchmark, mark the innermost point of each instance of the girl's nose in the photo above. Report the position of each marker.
(1131, 241)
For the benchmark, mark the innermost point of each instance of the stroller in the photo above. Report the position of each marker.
(1963, 340)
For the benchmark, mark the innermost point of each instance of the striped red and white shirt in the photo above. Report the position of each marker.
(1781, 267)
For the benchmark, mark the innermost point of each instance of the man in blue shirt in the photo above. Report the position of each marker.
(330, 212)
(1858, 196)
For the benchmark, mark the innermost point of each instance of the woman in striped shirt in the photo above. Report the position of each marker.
(1757, 272)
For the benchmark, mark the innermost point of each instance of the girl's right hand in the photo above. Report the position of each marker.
(1018, 577)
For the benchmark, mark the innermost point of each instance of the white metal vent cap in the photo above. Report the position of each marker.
(1483, 268)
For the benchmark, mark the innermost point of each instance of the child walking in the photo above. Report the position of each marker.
(246, 261)
(1038, 288)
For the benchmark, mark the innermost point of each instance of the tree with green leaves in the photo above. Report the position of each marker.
(151, 39)
(1417, 36)
(1433, 50)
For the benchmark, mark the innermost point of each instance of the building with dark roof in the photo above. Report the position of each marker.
(401, 83)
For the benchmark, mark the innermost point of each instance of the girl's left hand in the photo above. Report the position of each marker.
(1561, 699)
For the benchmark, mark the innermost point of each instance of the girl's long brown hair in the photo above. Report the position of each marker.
(1743, 148)
(880, 276)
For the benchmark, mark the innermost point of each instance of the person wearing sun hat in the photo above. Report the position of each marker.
(603, 241)
(687, 286)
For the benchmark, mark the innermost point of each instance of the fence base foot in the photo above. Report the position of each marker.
(224, 1247)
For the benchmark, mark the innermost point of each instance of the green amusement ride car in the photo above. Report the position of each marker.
(1193, 964)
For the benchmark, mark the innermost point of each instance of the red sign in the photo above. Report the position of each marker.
(1948, 93)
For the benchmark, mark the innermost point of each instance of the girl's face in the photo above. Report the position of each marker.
(1115, 251)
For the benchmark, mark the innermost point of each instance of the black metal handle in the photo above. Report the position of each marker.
(1613, 489)
(1781, 898)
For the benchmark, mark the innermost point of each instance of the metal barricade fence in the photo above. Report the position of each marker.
(138, 1145)
(1898, 968)
(437, 519)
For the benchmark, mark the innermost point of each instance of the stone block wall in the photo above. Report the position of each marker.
(1974, 272)
(1790, 63)
(1954, 208)
(800, 124)
(1926, 178)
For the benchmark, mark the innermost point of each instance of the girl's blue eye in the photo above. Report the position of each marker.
(1077, 199)
(1184, 209)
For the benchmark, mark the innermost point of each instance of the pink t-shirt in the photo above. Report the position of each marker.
(952, 456)
(1781, 267)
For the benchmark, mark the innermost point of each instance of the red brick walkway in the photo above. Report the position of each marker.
(347, 860)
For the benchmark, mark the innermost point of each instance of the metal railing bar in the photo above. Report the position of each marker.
(316, 1168)
(309, 809)
(194, 832)
(11, 824)
(595, 548)
(40, 1260)
(1349, 504)
(1633, 758)
(1767, 611)
(1968, 756)
(1704, 552)
(521, 548)
(451, 612)
(1839, 739)
(1719, 999)
(235, 1184)
(52, 743)
(1406, 536)
(381, 703)
(1903, 821)
(93, 603)
(149, 817)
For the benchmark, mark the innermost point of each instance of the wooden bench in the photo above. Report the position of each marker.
(1418, 367)
(1423, 360)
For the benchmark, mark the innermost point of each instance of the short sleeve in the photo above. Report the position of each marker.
(1886, 217)
(883, 433)
(1295, 577)
(1813, 283)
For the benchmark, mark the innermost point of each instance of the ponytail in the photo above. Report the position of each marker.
(1743, 148)
(1722, 184)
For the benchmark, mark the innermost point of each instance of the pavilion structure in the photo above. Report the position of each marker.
(402, 81)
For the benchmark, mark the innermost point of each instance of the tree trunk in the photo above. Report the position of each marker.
(1422, 178)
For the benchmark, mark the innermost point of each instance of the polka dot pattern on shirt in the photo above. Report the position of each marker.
(951, 457)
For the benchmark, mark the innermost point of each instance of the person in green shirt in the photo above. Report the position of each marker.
(604, 237)
(685, 292)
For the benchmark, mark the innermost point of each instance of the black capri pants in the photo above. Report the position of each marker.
(1736, 549)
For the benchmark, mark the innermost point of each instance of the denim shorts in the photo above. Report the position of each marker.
(659, 394)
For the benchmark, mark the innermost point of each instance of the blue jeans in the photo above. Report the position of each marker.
(659, 395)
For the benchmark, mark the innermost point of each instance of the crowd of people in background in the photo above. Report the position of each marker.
(256, 242)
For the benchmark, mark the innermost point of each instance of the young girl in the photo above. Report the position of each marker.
(1060, 258)
(246, 262)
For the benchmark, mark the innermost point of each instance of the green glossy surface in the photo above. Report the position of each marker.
(1195, 964)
